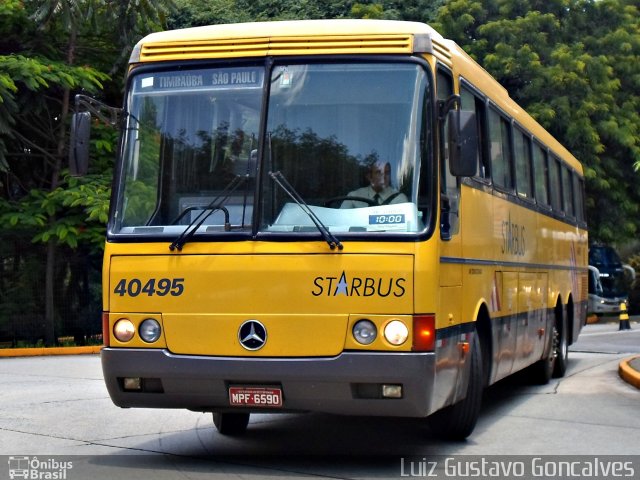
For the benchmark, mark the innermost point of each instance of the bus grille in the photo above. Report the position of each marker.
(443, 52)
(260, 47)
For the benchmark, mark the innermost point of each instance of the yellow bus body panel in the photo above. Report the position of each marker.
(518, 239)
(307, 302)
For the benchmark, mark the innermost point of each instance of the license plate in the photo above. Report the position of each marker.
(262, 397)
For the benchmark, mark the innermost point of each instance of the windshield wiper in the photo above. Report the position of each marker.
(328, 237)
(215, 204)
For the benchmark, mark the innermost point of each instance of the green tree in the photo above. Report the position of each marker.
(573, 65)
(44, 48)
(191, 13)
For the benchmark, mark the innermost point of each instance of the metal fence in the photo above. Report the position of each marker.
(75, 289)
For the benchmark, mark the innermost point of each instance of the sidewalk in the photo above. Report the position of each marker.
(629, 371)
(629, 368)
(36, 352)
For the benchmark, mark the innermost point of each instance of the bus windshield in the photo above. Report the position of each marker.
(350, 138)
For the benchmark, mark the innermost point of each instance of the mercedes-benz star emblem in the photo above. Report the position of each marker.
(252, 335)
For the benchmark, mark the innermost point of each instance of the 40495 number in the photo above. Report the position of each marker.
(160, 287)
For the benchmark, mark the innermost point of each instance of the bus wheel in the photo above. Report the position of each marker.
(231, 423)
(560, 346)
(542, 370)
(456, 422)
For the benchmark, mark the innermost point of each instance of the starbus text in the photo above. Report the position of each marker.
(358, 286)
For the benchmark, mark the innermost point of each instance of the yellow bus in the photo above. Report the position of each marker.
(340, 216)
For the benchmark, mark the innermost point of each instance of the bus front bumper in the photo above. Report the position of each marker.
(606, 306)
(350, 383)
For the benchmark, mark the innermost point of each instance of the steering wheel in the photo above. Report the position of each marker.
(368, 201)
(333, 200)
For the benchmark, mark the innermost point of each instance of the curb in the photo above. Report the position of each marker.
(628, 373)
(42, 351)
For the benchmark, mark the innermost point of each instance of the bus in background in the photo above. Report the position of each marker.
(609, 281)
(340, 216)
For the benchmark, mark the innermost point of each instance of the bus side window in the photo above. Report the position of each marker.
(522, 145)
(471, 102)
(578, 195)
(540, 171)
(555, 185)
(567, 192)
(500, 148)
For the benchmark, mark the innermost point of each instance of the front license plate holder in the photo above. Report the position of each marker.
(255, 396)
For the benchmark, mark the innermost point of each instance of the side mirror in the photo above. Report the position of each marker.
(595, 286)
(79, 144)
(463, 143)
(629, 273)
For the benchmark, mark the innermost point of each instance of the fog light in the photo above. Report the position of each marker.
(124, 330)
(396, 332)
(365, 332)
(150, 330)
(132, 383)
(392, 391)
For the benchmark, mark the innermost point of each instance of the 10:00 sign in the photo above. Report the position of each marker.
(159, 287)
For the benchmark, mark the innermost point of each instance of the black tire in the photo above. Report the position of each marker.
(560, 345)
(231, 423)
(542, 370)
(456, 422)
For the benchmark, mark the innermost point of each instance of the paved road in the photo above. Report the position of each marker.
(58, 406)
(606, 337)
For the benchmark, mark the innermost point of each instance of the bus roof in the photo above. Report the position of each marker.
(298, 28)
(330, 37)
(303, 37)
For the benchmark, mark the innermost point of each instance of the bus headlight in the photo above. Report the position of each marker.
(396, 332)
(150, 330)
(365, 332)
(124, 330)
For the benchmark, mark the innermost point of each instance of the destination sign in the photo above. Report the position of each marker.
(222, 78)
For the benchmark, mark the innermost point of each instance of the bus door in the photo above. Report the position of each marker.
(505, 323)
(522, 322)
(451, 247)
(450, 278)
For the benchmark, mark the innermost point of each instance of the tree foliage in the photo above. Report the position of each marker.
(49, 50)
(208, 12)
(573, 64)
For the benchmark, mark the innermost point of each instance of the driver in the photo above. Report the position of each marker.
(379, 191)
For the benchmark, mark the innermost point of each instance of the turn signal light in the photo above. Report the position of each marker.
(106, 333)
(424, 333)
